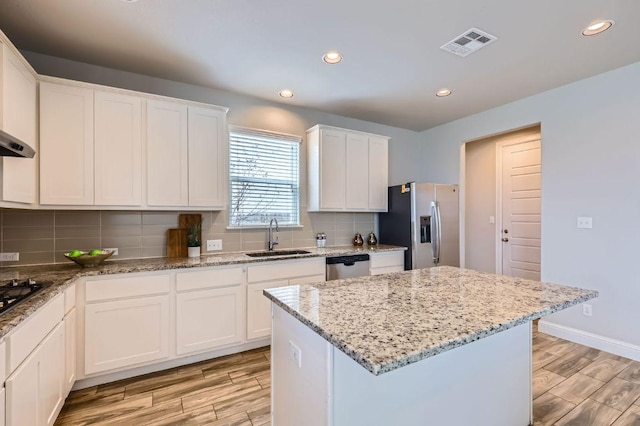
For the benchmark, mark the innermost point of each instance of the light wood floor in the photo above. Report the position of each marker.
(572, 385)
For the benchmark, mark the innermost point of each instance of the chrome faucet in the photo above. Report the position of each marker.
(273, 243)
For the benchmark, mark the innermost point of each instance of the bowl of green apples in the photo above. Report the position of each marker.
(88, 259)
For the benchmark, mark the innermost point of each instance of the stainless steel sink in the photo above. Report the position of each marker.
(277, 253)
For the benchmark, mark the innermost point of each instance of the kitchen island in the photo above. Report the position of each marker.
(439, 346)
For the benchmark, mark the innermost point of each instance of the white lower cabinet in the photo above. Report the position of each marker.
(3, 396)
(259, 309)
(275, 274)
(36, 389)
(124, 333)
(386, 262)
(208, 319)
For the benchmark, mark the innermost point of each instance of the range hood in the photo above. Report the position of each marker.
(11, 146)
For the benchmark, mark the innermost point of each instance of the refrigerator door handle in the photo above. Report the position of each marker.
(439, 231)
(434, 232)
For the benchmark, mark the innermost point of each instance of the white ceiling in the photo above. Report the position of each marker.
(392, 59)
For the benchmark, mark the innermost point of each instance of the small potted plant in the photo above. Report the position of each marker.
(193, 241)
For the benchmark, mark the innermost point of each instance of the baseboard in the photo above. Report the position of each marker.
(617, 347)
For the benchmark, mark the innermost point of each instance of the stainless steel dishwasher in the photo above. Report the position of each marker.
(339, 267)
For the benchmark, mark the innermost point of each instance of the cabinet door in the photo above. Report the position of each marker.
(22, 394)
(118, 149)
(70, 350)
(66, 145)
(208, 319)
(207, 160)
(357, 172)
(378, 173)
(18, 88)
(259, 309)
(51, 371)
(167, 154)
(35, 390)
(2, 406)
(332, 169)
(125, 333)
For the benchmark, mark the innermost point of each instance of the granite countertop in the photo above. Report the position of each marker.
(385, 322)
(63, 275)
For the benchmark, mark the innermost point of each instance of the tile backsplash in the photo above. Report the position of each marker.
(41, 236)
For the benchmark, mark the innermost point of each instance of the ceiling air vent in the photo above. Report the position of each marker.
(468, 42)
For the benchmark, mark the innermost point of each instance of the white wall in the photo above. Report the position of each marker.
(480, 203)
(243, 110)
(590, 167)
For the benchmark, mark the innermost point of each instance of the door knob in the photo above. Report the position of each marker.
(505, 240)
(505, 231)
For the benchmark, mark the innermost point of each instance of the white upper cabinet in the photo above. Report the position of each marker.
(378, 174)
(66, 145)
(348, 170)
(207, 157)
(118, 149)
(19, 118)
(167, 154)
(357, 172)
(186, 155)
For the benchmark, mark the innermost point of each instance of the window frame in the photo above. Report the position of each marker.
(285, 137)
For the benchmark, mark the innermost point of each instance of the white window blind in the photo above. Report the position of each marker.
(264, 178)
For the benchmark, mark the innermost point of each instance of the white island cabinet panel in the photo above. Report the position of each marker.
(66, 145)
(19, 118)
(118, 149)
(110, 340)
(167, 154)
(207, 158)
(208, 319)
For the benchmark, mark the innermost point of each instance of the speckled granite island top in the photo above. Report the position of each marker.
(64, 274)
(388, 321)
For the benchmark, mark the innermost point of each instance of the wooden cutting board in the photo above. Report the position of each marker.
(186, 221)
(177, 243)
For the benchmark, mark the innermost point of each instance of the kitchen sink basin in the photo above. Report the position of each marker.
(277, 253)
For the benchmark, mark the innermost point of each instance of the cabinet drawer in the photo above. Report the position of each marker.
(286, 269)
(221, 277)
(69, 299)
(24, 340)
(116, 288)
(383, 260)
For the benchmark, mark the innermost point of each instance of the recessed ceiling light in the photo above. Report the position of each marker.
(286, 93)
(332, 57)
(598, 27)
(130, 1)
(443, 92)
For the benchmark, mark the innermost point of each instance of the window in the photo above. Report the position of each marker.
(264, 178)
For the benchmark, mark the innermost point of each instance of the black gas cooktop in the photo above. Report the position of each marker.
(14, 292)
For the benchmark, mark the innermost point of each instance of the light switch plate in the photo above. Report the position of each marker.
(295, 354)
(585, 222)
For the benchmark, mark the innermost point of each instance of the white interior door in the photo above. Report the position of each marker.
(520, 188)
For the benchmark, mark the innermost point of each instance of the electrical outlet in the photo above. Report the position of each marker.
(295, 354)
(587, 310)
(585, 222)
(213, 245)
(9, 257)
(115, 251)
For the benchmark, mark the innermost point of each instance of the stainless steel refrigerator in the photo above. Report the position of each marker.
(423, 217)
